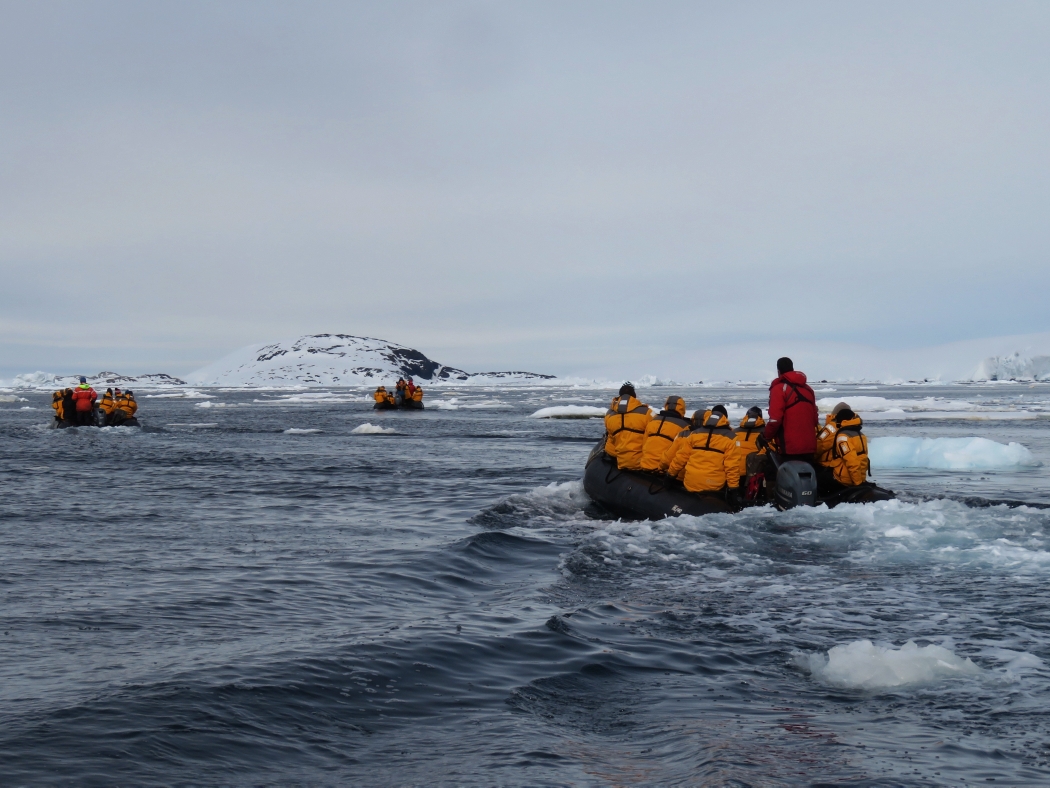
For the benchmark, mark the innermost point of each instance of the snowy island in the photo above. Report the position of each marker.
(339, 360)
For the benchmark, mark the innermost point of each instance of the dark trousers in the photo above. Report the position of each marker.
(85, 418)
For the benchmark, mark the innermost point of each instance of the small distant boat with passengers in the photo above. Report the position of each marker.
(407, 395)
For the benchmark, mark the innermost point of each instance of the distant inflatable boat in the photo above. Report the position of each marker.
(651, 496)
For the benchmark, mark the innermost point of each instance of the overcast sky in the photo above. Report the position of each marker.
(563, 187)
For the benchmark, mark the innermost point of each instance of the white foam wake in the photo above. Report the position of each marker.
(863, 665)
(953, 454)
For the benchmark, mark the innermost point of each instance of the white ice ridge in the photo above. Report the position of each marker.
(952, 454)
(185, 394)
(1014, 367)
(863, 665)
(372, 429)
(301, 431)
(569, 412)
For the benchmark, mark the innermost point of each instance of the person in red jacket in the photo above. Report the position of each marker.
(792, 414)
(84, 396)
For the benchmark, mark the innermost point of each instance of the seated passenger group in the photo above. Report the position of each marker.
(709, 456)
(404, 391)
(77, 406)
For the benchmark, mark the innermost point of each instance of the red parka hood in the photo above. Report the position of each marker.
(794, 376)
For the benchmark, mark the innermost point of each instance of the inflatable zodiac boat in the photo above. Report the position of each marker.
(651, 496)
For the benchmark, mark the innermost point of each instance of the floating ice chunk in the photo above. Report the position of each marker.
(187, 394)
(372, 429)
(12, 398)
(300, 431)
(870, 404)
(863, 665)
(569, 412)
(953, 454)
(898, 531)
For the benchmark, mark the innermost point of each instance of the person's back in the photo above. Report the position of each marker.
(826, 435)
(56, 405)
(747, 435)
(708, 455)
(661, 432)
(849, 460)
(792, 413)
(130, 406)
(417, 394)
(69, 406)
(625, 424)
(84, 397)
(123, 409)
(380, 395)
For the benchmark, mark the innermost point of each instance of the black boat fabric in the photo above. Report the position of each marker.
(649, 496)
(407, 405)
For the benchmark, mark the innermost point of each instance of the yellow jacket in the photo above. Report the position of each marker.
(56, 403)
(126, 402)
(849, 455)
(826, 439)
(660, 435)
(417, 395)
(746, 436)
(107, 403)
(381, 395)
(625, 424)
(708, 454)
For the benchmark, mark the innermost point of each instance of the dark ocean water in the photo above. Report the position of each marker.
(212, 600)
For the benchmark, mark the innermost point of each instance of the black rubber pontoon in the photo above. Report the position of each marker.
(408, 405)
(639, 494)
(650, 496)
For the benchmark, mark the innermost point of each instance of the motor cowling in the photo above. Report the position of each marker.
(796, 485)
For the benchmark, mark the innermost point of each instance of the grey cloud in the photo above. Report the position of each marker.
(514, 184)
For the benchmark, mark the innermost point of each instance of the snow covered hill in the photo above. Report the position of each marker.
(48, 381)
(338, 360)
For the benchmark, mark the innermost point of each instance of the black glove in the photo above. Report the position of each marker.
(733, 496)
(761, 441)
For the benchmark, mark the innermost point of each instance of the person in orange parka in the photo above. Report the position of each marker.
(107, 406)
(625, 424)
(708, 455)
(826, 434)
(661, 432)
(747, 437)
(848, 459)
(84, 396)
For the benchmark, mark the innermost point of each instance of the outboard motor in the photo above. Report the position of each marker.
(796, 485)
